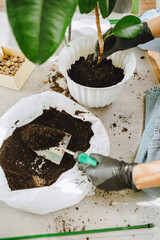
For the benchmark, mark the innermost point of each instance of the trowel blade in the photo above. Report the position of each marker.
(55, 154)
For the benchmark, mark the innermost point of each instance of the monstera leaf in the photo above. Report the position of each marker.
(39, 25)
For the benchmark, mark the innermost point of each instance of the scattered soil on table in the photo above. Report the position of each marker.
(124, 129)
(87, 72)
(113, 125)
(24, 169)
(135, 74)
(16, 122)
(58, 83)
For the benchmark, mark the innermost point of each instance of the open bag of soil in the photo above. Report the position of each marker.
(65, 185)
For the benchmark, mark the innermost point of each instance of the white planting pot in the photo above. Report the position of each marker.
(89, 96)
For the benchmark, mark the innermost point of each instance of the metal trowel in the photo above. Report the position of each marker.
(55, 154)
(33, 136)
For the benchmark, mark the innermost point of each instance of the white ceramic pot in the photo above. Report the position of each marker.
(89, 96)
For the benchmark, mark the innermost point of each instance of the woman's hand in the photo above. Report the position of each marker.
(113, 44)
(109, 174)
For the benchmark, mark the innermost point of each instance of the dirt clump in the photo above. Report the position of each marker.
(39, 137)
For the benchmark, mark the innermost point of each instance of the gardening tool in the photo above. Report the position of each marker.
(149, 225)
(54, 154)
(78, 156)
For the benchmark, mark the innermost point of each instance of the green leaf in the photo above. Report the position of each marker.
(135, 7)
(128, 27)
(106, 7)
(39, 25)
(86, 6)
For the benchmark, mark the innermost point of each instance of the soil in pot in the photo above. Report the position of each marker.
(88, 73)
(23, 168)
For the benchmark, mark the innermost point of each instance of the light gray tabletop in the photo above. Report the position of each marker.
(101, 210)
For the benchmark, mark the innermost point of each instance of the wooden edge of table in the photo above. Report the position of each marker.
(1, 3)
(155, 67)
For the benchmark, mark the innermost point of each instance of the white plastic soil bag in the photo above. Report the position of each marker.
(72, 186)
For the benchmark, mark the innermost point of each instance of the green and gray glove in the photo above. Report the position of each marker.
(109, 174)
(113, 44)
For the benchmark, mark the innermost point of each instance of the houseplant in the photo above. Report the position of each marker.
(41, 30)
(39, 26)
(89, 95)
(38, 104)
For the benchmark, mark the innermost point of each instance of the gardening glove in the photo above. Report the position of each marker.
(113, 44)
(109, 174)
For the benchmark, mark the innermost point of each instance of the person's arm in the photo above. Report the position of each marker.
(154, 26)
(147, 175)
(113, 175)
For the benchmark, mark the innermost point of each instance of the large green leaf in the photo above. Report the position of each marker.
(128, 27)
(135, 6)
(106, 7)
(86, 6)
(39, 25)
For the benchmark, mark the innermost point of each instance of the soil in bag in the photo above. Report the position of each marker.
(88, 73)
(39, 137)
(24, 169)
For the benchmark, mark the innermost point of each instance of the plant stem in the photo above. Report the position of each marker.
(100, 37)
(65, 40)
(108, 35)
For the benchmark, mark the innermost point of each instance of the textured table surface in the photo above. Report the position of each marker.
(124, 122)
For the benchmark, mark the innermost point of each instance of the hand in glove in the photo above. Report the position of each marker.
(113, 44)
(109, 174)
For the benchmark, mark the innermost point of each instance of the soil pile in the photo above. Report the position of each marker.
(39, 137)
(88, 73)
(24, 169)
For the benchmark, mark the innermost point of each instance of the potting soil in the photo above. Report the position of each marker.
(39, 137)
(88, 73)
(21, 165)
